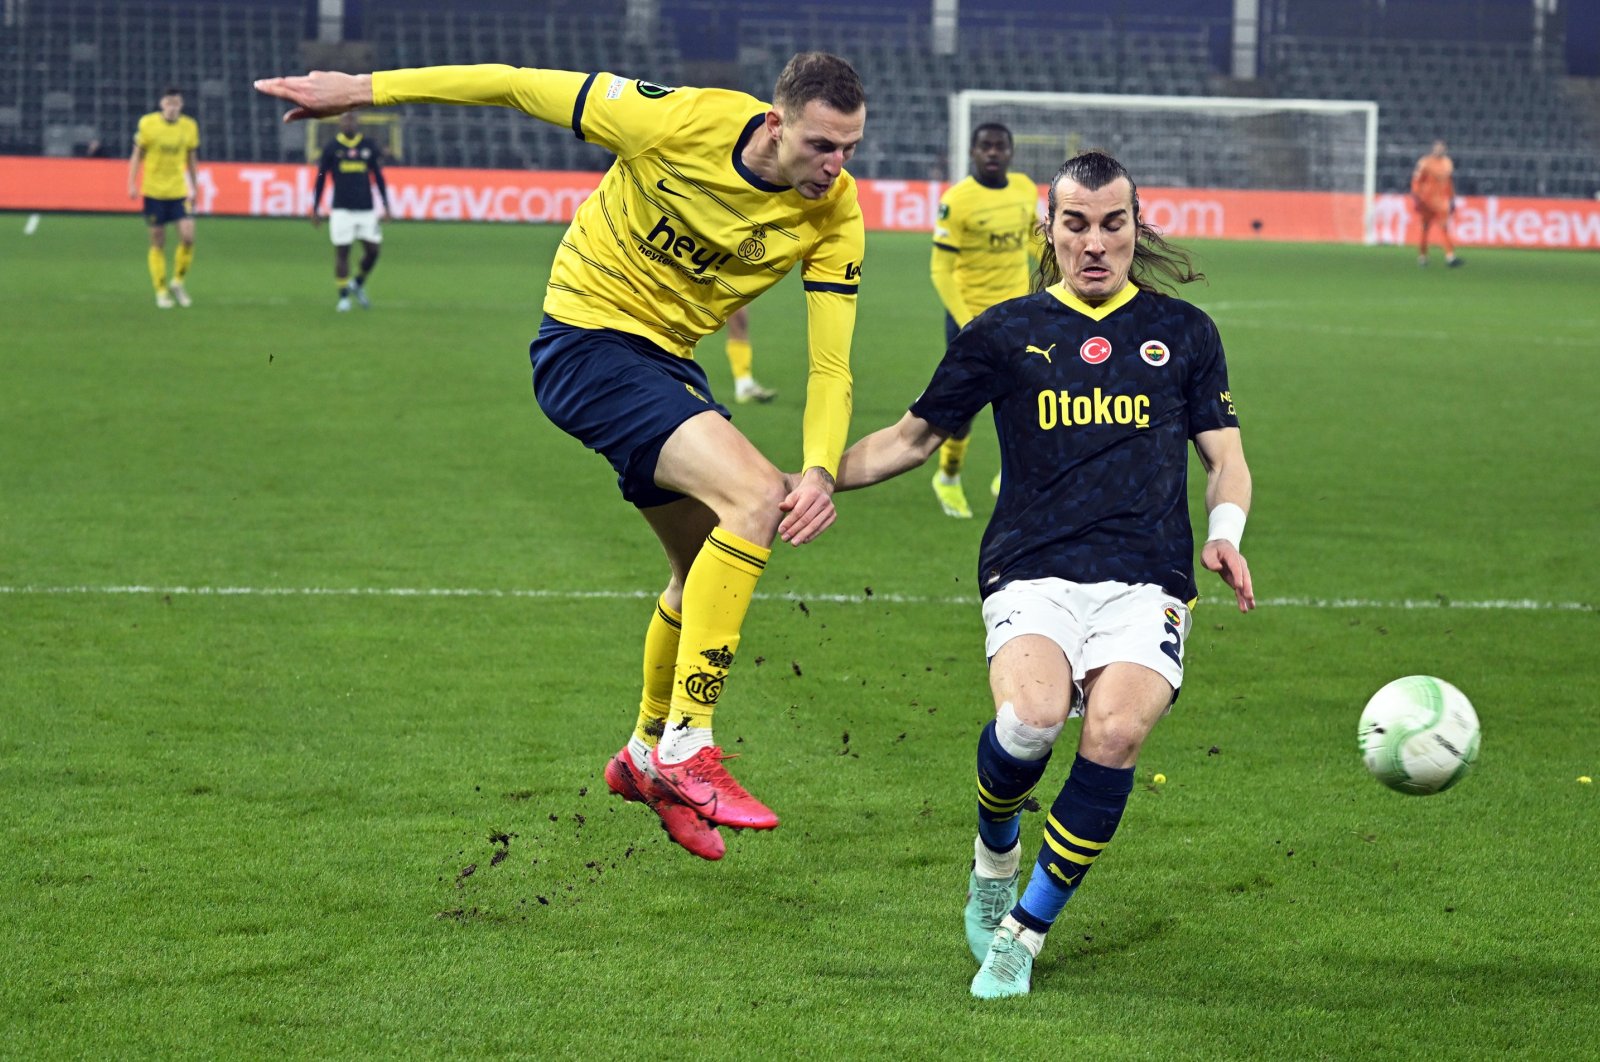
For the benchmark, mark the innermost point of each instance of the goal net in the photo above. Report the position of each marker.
(1217, 166)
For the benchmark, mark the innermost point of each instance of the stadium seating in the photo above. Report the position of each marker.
(72, 71)
(1500, 107)
(80, 70)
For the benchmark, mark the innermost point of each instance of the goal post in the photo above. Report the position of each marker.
(1315, 161)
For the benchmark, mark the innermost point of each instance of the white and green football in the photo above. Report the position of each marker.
(1419, 735)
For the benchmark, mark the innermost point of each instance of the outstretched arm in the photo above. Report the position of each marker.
(888, 452)
(1228, 490)
(880, 456)
(319, 94)
(548, 95)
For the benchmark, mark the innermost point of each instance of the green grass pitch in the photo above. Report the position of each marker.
(271, 804)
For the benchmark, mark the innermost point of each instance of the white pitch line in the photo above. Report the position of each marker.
(1492, 605)
(278, 301)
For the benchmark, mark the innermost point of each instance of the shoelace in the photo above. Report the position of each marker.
(1006, 958)
(716, 775)
(994, 897)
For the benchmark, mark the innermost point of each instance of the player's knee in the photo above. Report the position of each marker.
(752, 502)
(1040, 712)
(1115, 745)
(672, 596)
(1113, 737)
(765, 492)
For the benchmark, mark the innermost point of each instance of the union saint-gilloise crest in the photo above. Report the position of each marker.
(752, 248)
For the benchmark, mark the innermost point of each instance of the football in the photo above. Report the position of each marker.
(1419, 735)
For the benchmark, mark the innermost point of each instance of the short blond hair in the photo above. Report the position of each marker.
(819, 76)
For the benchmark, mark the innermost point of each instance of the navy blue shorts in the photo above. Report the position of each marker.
(164, 211)
(621, 396)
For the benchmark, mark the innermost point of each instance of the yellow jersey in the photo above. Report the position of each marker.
(981, 243)
(680, 233)
(167, 148)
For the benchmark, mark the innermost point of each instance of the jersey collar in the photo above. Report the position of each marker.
(1094, 313)
(348, 141)
(751, 177)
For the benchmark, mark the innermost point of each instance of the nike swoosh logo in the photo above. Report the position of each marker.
(662, 184)
(704, 808)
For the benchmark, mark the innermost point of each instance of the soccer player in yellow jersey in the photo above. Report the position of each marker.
(714, 197)
(742, 359)
(165, 143)
(980, 257)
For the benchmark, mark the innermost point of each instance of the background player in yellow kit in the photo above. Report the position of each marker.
(980, 257)
(166, 142)
(713, 198)
(742, 360)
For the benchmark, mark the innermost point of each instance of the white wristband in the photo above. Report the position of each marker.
(1226, 522)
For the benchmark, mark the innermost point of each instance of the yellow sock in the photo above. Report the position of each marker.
(952, 452)
(716, 596)
(158, 269)
(741, 358)
(181, 261)
(660, 654)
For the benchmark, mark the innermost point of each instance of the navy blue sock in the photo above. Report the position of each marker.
(1080, 825)
(1004, 783)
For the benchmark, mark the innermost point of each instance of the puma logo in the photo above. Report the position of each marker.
(1044, 353)
(1070, 882)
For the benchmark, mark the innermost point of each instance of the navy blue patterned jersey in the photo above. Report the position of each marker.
(1095, 407)
(353, 161)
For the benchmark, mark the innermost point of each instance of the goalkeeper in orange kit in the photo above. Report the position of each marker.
(1433, 193)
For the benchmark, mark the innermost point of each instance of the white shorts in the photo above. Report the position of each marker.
(1095, 624)
(346, 226)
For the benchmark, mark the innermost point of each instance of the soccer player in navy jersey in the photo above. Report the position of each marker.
(355, 163)
(714, 197)
(1098, 382)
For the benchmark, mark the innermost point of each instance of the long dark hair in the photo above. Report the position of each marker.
(1157, 264)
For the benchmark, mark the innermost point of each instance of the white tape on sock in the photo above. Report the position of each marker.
(1021, 740)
